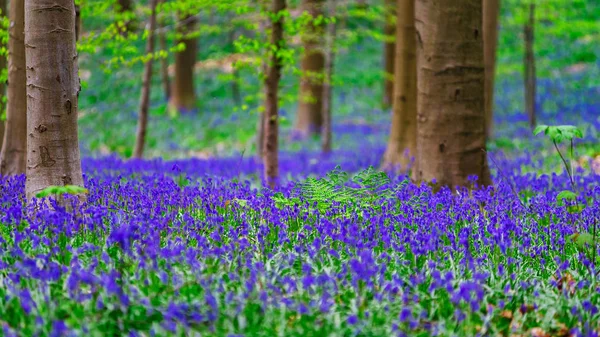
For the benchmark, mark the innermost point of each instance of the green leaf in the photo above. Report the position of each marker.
(59, 190)
(539, 129)
(566, 195)
(582, 239)
(575, 209)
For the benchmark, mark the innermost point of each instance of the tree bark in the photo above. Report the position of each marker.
(273, 75)
(52, 92)
(183, 95)
(78, 22)
(14, 148)
(389, 49)
(327, 89)
(164, 62)
(3, 9)
(450, 103)
(530, 76)
(309, 119)
(402, 143)
(142, 126)
(491, 12)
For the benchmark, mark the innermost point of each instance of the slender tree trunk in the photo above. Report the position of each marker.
(310, 107)
(3, 9)
(142, 126)
(183, 95)
(164, 62)
(14, 149)
(270, 152)
(530, 76)
(52, 91)
(491, 12)
(402, 143)
(450, 103)
(327, 89)
(260, 126)
(125, 7)
(389, 50)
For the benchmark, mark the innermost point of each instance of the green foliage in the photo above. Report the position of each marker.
(559, 133)
(60, 190)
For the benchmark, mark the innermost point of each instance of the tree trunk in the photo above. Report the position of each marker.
(530, 77)
(402, 143)
(125, 7)
(327, 89)
(260, 127)
(183, 95)
(78, 22)
(140, 139)
(270, 152)
(310, 107)
(388, 53)
(52, 90)
(491, 11)
(3, 9)
(14, 149)
(450, 103)
(164, 62)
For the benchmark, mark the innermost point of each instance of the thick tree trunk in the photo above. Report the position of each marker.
(530, 77)
(52, 90)
(327, 89)
(389, 49)
(78, 22)
(309, 118)
(402, 143)
(491, 12)
(270, 152)
(3, 9)
(183, 95)
(14, 149)
(142, 126)
(450, 103)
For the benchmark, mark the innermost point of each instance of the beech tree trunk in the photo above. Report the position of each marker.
(142, 126)
(14, 148)
(389, 50)
(78, 22)
(491, 12)
(327, 89)
(402, 143)
(183, 95)
(3, 9)
(273, 75)
(164, 62)
(530, 77)
(52, 90)
(309, 119)
(450, 103)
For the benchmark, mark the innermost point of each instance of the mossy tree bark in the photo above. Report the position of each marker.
(142, 126)
(491, 12)
(183, 94)
(273, 75)
(3, 9)
(450, 103)
(52, 94)
(402, 142)
(309, 119)
(14, 148)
